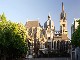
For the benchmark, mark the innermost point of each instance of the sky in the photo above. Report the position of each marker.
(24, 10)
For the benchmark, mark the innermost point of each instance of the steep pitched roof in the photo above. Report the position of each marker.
(30, 24)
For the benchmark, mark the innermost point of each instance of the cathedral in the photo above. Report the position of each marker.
(48, 38)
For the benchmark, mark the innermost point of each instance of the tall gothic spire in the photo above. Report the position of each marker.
(62, 7)
(63, 14)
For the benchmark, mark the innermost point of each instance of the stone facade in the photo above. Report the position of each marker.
(54, 36)
(48, 37)
(74, 25)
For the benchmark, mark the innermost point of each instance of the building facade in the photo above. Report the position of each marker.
(48, 37)
(74, 25)
(56, 40)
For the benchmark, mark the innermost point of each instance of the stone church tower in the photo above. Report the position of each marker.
(63, 22)
(49, 31)
(49, 27)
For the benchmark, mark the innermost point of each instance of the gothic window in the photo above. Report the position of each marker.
(54, 44)
(63, 30)
(46, 44)
(60, 29)
(30, 31)
(48, 38)
(49, 45)
(63, 25)
(58, 44)
(62, 15)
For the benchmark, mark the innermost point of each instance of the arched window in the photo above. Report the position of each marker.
(54, 44)
(58, 44)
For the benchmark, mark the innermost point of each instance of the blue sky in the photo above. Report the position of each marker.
(21, 10)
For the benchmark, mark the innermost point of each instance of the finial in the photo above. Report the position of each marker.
(62, 6)
(49, 16)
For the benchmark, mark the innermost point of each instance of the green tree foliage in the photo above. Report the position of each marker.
(3, 18)
(76, 36)
(12, 38)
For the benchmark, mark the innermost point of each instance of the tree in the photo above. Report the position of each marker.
(76, 36)
(3, 18)
(12, 39)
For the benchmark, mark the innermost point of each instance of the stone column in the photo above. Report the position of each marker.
(56, 45)
(53, 45)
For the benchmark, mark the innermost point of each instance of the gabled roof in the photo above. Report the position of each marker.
(30, 24)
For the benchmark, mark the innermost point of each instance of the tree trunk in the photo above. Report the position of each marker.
(4, 57)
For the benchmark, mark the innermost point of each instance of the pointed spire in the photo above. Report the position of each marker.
(62, 7)
(49, 16)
